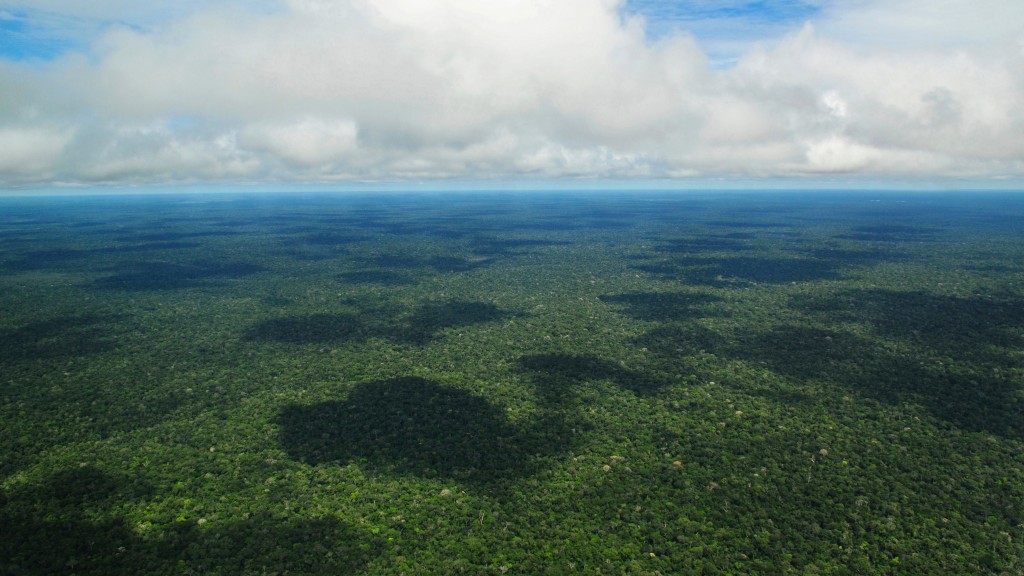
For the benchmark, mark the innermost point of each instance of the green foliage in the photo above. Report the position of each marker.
(533, 384)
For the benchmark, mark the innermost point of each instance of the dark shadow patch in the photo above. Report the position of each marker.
(740, 224)
(9, 238)
(661, 307)
(662, 269)
(68, 524)
(807, 264)
(723, 271)
(53, 258)
(329, 239)
(995, 268)
(416, 426)
(724, 243)
(63, 258)
(512, 247)
(542, 224)
(439, 264)
(975, 328)
(391, 228)
(62, 337)
(679, 340)
(424, 322)
(315, 253)
(840, 257)
(417, 327)
(973, 398)
(58, 526)
(451, 233)
(80, 225)
(171, 276)
(238, 223)
(382, 277)
(393, 261)
(175, 236)
(310, 329)
(889, 233)
(326, 248)
(303, 546)
(450, 264)
(151, 246)
(557, 376)
(805, 353)
(762, 270)
(275, 300)
(976, 392)
(84, 490)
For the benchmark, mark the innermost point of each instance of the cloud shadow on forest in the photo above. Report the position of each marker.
(417, 426)
(68, 523)
(889, 233)
(63, 258)
(662, 306)
(381, 277)
(972, 398)
(827, 262)
(494, 247)
(417, 326)
(558, 377)
(725, 270)
(439, 264)
(143, 276)
(700, 244)
(61, 337)
(979, 328)
(974, 391)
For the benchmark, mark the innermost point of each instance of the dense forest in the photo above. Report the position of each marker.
(529, 383)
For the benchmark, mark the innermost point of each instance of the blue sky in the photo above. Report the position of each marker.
(45, 29)
(536, 93)
(725, 28)
(32, 33)
(27, 35)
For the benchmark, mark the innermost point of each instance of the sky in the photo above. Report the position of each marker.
(549, 93)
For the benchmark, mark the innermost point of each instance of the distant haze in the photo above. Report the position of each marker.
(113, 92)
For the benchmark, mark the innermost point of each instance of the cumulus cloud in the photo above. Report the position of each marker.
(29, 150)
(368, 90)
(920, 24)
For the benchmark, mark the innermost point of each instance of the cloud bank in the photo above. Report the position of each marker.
(400, 90)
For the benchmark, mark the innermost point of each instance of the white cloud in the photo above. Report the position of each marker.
(948, 104)
(838, 154)
(306, 142)
(140, 154)
(323, 90)
(922, 24)
(835, 104)
(30, 150)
